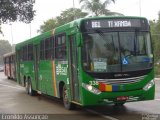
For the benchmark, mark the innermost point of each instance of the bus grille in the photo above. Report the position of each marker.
(121, 81)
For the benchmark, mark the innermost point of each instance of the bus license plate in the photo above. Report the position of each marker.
(122, 98)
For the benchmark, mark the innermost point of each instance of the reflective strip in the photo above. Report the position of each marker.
(54, 79)
(102, 87)
(109, 88)
(115, 88)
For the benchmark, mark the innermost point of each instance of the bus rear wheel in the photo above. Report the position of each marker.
(26, 86)
(30, 89)
(67, 104)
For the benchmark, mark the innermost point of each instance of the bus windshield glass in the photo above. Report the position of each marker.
(116, 51)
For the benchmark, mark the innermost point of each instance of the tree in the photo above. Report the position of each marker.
(48, 25)
(66, 16)
(5, 47)
(13, 10)
(69, 15)
(97, 7)
(155, 34)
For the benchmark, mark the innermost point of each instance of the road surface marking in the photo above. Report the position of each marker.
(104, 116)
(20, 88)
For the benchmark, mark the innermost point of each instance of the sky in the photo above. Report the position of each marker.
(45, 9)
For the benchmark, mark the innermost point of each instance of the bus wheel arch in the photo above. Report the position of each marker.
(67, 103)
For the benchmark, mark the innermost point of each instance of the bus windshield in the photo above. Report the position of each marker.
(116, 51)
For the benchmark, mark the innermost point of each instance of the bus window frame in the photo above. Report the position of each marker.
(61, 47)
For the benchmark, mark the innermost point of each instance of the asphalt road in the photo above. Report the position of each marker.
(14, 101)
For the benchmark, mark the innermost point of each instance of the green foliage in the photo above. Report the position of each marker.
(157, 69)
(98, 7)
(13, 10)
(155, 34)
(69, 15)
(66, 16)
(48, 25)
(5, 47)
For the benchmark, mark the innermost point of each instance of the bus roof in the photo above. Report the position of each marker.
(9, 54)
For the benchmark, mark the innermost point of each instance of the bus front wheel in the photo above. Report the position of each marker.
(67, 104)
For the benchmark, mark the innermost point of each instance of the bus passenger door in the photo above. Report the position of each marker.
(36, 66)
(73, 65)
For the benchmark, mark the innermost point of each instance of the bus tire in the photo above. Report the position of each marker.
(67, 104)
(31, 92)
(27, 86)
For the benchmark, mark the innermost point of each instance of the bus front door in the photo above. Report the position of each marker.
(73, 65)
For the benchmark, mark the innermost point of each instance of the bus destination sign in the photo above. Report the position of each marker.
(113, 23)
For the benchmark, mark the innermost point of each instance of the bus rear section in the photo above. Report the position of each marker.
(9, 65)
(117, 61)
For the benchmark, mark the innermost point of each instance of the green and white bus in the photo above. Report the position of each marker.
(90, 61)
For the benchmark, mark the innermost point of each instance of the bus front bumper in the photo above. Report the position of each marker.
(105, 98)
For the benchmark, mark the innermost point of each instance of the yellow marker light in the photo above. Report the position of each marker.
(108, 88)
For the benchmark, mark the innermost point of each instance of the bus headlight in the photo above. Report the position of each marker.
(91, 88)
(149, 85)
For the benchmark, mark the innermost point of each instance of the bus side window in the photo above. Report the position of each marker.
(48, 48)
(25, 53)
(60, 47)
(30, 52)
(42, 50)
(53, 46)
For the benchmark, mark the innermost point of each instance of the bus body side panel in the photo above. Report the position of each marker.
(13, 71)
(61, 75)
(7, 70)
(9, 65)
(27, 72)
(17, 67)
(45, 77)
(14, 67)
